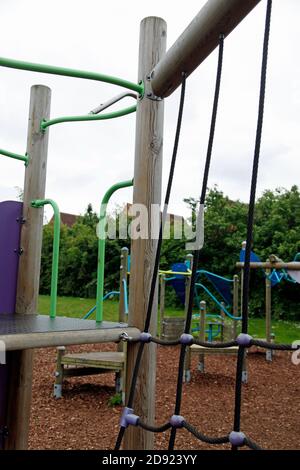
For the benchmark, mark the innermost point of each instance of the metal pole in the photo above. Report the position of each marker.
(146, 192)
(197, 41)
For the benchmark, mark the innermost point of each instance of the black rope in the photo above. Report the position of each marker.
(251, 444)
(197, 252)
(239, 369)
(203, 437)
(275, 347)
(147, 427)
(157, 257)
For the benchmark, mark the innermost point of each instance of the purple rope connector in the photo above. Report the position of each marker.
(244, 339)
(187, 339)
(126, 412)
(237, 439)
(177, 421)
(145, 337)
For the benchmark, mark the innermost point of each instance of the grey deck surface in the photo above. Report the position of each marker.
(23, 324)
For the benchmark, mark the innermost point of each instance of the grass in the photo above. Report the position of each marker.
(285, 331)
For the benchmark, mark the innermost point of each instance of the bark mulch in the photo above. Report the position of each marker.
(82, 419)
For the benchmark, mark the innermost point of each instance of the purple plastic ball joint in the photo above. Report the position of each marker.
(237, 439)
(185, 338)
(128, 418)
(145, 337)
(177, 421)
(243, 339)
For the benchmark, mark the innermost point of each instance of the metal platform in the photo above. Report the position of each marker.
(35, 331)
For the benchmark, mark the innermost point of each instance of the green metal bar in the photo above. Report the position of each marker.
(16, 156)
(42, 68)
(88, 117)
(101, 245)
(55, 255)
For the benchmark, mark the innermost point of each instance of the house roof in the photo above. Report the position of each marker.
(66, 219)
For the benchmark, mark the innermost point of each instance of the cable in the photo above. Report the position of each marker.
(197, 252)
(239, 369)
(157, 256)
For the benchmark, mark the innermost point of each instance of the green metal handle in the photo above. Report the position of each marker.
(89, 117)
(50, 69)
(16, 156)
(101, 245)
(55, 255)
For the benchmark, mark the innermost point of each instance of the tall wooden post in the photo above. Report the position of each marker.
(20, 362)
(162, 292)
(268, 309)
(202, 334)
(235, 304)
(146, 191)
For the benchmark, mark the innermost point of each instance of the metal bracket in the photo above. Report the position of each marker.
(153, 97)
(21, 220)
(19, 251)
(125, 337)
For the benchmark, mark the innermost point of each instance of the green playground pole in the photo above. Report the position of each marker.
(55, 255)
(16, 156)
(87, 117)
(50, 69)
(101, 245)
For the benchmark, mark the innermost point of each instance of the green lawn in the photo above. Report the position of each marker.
(285, 331)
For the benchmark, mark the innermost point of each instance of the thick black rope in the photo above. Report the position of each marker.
(203, 437)
(148, 427)
(220, 345)
(239, 369)
(197, 252)
(157, 258)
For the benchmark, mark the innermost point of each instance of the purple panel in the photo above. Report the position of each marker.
(10, 216)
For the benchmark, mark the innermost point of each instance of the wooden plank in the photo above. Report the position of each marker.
(197, 41)
(113, 360)
(147, 191)
(18, 414)
(195, 348)
(46, 340)
(293, 265)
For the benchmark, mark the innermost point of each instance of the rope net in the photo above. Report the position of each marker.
(236, 437)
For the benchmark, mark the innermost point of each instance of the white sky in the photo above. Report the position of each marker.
(84, 159)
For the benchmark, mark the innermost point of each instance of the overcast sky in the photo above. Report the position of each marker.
(84, 159)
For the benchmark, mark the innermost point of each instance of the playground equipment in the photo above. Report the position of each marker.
(159, 75)
(274, 272)
(94, 363)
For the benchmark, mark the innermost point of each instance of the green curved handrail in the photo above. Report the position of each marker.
(51, 69)
(101, 245)
(55, 255)
(16, 156)
(88, 117)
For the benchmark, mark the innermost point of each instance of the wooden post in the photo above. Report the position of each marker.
(123, 277)
(268, 309)
(223, 326)
(162, 292)
(59, 374)
(29, 267)
(202, 325)
(197, 41)
(146, 191)
(235, 304)
(187, 366)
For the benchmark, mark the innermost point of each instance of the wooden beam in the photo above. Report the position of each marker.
(53, 339)
(197, 41)
(20, 362)
(292, 266)
(146, 191)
